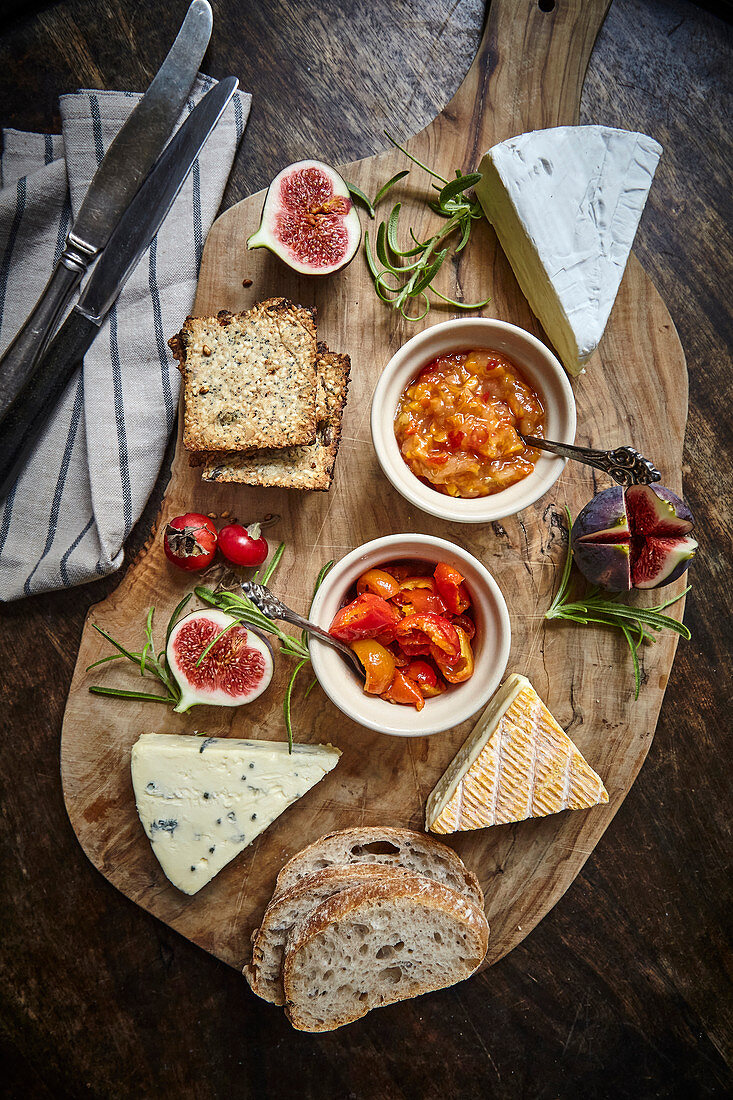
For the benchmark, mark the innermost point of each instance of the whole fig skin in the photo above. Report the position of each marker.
(607, 564)
(604, 514)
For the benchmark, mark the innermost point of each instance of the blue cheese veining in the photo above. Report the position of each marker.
(201, 801)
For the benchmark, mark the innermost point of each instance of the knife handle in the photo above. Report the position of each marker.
(18, 363)
(31, 408)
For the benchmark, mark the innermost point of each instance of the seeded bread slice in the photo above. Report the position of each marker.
(285, 914)
(386, 845)
(250, 378)
(375, 944)
(309, 466)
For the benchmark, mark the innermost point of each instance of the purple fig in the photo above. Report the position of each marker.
(603, 519)
(633, 538)
(607, 564)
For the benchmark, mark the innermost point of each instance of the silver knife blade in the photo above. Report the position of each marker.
(142, 219)
(119, 176)
(30, 408)
(140, 141)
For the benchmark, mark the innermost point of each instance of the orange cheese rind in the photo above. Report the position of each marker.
(517, 763)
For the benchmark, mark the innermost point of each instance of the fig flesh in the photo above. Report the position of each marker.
(236, 670)
(309, 219)
(633, 538)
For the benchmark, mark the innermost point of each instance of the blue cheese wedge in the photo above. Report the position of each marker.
(202, 800)
(565, 204)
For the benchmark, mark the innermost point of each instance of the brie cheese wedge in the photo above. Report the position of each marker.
(202, 800)
(565, 204)
(517, 763)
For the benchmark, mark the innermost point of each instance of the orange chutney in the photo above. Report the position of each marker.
(457, 422)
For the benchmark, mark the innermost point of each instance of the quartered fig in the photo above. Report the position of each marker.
(237, 668)
(633, 538)
(309, 219)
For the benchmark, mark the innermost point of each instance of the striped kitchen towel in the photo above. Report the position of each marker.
(66, 519)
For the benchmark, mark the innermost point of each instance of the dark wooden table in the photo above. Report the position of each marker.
(622, 990)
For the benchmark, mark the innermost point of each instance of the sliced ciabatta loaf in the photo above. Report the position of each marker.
(286, 912)
(389, 846)
(378, 943)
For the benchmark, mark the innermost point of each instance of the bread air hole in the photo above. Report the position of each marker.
(376, 848)
(437, 937)
(391, 974)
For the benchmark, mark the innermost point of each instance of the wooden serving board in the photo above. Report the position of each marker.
(528, 74)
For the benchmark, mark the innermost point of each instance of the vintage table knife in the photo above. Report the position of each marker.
(124, 167)
(22, 421)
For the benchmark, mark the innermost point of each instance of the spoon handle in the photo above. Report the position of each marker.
(270, 605)
(625, 465)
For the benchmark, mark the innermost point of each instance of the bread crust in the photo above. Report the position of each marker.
(320, 884)
(374, 834)
(419, 889)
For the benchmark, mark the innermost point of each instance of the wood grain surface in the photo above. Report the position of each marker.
(525, 868)
(621, 989)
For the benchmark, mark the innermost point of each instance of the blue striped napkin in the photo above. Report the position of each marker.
(67, 517)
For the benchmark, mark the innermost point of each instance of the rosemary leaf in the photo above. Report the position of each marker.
(457, 187)
(388, 186)
(121, 693)
(359, 194)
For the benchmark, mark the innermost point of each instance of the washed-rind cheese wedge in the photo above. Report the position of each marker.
(565, 204)
(202, 800)
(517, 763)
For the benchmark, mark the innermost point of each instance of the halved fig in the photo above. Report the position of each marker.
(237, 668)
(633, 538)
(309, 219)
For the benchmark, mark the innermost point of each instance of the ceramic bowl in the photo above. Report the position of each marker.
(491, 644)
(538, 365)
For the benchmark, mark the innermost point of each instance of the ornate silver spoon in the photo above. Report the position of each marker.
(270, 605)
(625, 465)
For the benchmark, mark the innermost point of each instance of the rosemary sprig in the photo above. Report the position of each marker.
(593, 607)
(403, 275)
(149, 662)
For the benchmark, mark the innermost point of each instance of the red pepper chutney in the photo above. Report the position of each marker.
(457, 422)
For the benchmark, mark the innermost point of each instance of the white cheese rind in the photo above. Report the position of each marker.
(566, 203)
(202, 800)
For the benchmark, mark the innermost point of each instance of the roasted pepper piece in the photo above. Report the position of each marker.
(378, 662)
(379, 582)
(451, 588)
(426, 678)
(467, 624)
(402, 690)
(431, 629)
(417, 595)
(455, 669)
(365, 617)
